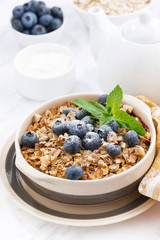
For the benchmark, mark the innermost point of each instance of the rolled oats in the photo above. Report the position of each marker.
(113, 7)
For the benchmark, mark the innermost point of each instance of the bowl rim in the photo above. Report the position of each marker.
(38, 45)
(44, 177)
(112, 16)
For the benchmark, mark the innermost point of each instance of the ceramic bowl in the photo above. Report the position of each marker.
(118, 20)
(44, 87)
(25, 39)
(96, 190)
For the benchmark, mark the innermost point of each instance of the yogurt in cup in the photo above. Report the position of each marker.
(44, 71)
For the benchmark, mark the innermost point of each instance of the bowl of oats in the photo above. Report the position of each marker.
(118, 11)
(86, 148)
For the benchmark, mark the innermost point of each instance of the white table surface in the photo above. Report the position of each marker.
(15, 223)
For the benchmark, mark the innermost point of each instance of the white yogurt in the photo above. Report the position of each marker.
(47, 62)
(44, 71)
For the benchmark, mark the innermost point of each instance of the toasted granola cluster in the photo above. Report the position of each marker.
(113, 7)
(49, 155)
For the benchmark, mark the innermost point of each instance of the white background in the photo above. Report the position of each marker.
(15, 223)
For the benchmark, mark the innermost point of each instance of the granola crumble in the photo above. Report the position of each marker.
(49, 156)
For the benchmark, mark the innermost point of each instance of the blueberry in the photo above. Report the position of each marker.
(91, 141)
(27, 31)
(30, 6)
(103, 131)
(29, 139)
(90, 127)
(17, 25)
(74, 172)
(41, 3)
(38, 30)
(59, 127)
(114, 126)
(29, 19)
(88, 120)
(41, 9)
(132, 138)
(81, 113)
(67, 110)
(102, 99)
(78, 128)
(57, 12)
(55, 24)
(72, 144)
(18, 12)
(113, 149)
(45, 20)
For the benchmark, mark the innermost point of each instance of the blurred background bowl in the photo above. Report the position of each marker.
(119, 19)
(44, 87)
(26, 39)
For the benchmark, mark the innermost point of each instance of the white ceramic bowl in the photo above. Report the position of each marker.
(44, 88)
(26, 39)
(118, 20)
(89, 188)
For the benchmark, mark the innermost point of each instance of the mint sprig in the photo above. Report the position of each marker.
(114, 99)
(130, 122)
(111, 111)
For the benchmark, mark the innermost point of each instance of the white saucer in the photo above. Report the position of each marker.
(63, 213)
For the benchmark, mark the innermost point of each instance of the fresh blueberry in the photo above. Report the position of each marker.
(91, 141)
(72, 144)
(29, 139)
(57, 12)
(74, 172)
(29, 19)
(81, 113)
(17, 25)
(18, 12)
(88, 120)
(55, 24)
(41, 3)
(103, 131)
(38, 30)
(59, 127)
(132, 138)
(27, 31)
(90, 127)
(113, 149)
(41, 9)
(30, 6)
(67, 110)
(102, 99)
(78, 128)
(45, 20)
(114, 126)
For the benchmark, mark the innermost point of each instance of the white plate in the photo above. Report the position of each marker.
(61, 213)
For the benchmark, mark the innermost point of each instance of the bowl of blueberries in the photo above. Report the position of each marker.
(34, 22)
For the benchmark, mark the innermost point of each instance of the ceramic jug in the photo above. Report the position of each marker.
(128, 55)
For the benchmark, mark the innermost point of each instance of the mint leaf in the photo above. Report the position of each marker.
(114, 99)
(95, 108)
(122, 125)
(111, 111)
(105, 118)
(131, 122)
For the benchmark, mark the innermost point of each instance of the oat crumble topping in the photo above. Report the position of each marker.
(49, 156)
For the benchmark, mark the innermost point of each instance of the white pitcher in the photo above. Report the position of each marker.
(128, 55)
